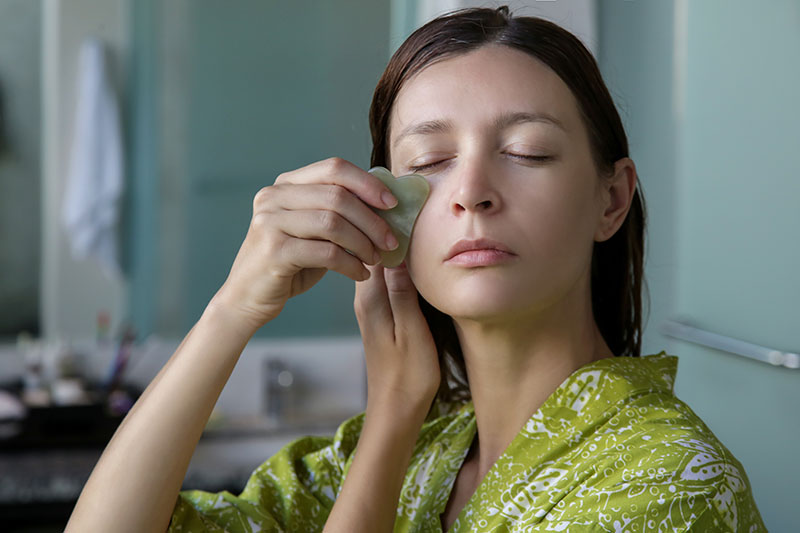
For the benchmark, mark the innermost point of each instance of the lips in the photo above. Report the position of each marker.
(466, 245)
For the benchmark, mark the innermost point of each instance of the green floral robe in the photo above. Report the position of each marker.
(612, 449)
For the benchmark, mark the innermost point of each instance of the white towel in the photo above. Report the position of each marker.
(95, 180)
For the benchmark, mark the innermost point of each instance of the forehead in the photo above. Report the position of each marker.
(479, 86)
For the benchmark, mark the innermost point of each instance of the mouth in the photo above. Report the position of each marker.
(478, 251)
(480, 258)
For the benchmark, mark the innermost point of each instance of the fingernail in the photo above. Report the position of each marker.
(391, 241)
(388, 199)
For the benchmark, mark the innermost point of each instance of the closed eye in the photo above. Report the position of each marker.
(536, 158)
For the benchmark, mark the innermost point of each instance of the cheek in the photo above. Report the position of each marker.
(563, 237)
(422, 238)
(428, 245)
(561, 233)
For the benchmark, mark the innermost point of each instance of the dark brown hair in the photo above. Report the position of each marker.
(617, 270)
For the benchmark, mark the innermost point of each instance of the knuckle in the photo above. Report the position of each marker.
(330, 221)
(336, 196)
(330, 254)
(260, 197)
(335, 164)
(260, 222)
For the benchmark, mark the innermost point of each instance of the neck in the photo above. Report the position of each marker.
(514, 366)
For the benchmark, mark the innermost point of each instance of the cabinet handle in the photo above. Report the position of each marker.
(688, 332)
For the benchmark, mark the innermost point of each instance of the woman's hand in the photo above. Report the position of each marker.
(402, 379)
(301, 228)
(401, 357)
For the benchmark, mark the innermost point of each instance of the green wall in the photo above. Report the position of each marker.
(20, 166)
(268, 87)
(275, 86)
(708, 93)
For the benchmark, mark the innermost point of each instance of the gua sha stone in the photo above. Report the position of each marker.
(411, 192)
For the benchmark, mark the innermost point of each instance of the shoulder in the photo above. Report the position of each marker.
(656, 453)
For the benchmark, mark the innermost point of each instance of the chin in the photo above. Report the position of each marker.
(478, 302)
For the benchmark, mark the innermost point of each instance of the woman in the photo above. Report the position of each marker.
(505, 391)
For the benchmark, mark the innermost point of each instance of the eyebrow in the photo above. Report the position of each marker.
(501, 122)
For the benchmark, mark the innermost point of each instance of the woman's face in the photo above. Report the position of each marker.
(509, 161)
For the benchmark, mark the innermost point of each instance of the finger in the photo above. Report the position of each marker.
(340, 200)
(338, 171)
(372, 304)
(328, 226)
(305, 253)
(403, 300)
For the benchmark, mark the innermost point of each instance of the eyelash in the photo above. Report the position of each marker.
(539, 158)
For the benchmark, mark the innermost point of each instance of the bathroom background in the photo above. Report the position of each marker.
(216, 99)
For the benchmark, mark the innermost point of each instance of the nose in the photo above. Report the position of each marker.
(474, 190)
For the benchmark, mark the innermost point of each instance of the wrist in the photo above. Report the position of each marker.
(393, 395)
(398, 410)
(221, 312)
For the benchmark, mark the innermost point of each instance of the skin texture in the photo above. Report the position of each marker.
(526, 324)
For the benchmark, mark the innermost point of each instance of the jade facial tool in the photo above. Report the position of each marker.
(411, 192)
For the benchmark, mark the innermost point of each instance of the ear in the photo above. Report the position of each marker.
(616, 195)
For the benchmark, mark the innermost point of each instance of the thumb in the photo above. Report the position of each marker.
(403, 298)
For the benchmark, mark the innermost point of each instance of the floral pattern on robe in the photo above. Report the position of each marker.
(612, 449)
